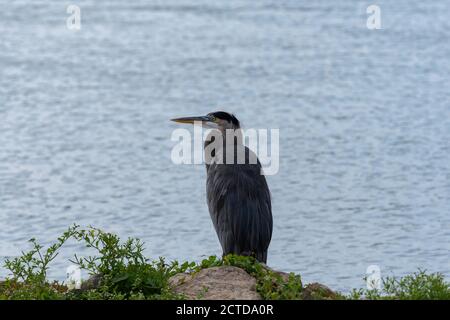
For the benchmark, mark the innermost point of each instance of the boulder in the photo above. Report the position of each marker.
(216, 283)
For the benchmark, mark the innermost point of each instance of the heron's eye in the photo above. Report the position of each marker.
(213, 118)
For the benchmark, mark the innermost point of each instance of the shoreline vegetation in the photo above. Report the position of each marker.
(119, 271)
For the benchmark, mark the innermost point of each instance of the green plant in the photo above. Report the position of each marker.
(269, 284)
(32, 266)
(417, 286)
(123, 268)
(125, 273)
(28, 278)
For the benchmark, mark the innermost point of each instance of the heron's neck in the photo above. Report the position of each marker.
(229, 136)
(226, 139)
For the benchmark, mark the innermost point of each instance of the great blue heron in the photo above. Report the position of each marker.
(237, 193)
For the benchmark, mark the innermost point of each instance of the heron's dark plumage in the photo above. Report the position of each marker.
(240, 207)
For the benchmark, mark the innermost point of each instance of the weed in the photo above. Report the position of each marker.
(125, 273)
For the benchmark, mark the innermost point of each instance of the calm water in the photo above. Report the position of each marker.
(364, 120)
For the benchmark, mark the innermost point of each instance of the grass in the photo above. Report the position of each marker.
(125, 273)
(417, 286)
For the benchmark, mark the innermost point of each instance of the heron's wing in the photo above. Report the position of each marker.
(240, 207)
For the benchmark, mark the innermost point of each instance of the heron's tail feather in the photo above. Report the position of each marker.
(262, 256)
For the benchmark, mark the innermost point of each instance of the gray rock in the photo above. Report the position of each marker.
(226, 282)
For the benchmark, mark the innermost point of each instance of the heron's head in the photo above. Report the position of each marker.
(215, 120)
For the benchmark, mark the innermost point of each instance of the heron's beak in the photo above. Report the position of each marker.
(192, 120)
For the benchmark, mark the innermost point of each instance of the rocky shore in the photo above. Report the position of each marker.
(233, 283)
(225, 283)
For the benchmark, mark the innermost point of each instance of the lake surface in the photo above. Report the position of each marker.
(364, 119)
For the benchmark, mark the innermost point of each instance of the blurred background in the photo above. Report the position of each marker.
(364, 119)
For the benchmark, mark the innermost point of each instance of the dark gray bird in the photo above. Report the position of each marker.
(237, 193)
